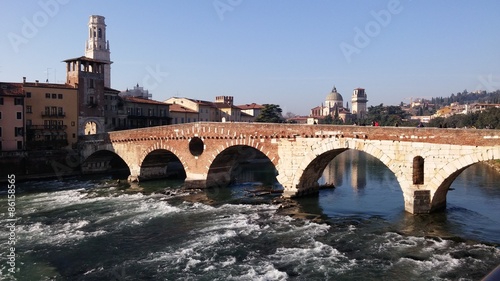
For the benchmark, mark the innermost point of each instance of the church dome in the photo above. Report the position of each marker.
(334, 96)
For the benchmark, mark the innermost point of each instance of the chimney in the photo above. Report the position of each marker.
(36, 82)
(24, 80)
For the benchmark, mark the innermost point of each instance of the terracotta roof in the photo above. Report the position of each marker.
(180, 108)
(111, 90)
(11, 89)
(202, 102)
(48, 85)
(250, 106)
(145, 101)
(84, 58)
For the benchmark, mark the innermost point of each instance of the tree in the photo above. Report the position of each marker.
(271, 113)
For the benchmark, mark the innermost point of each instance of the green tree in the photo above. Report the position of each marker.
(327, 120)
(271, 113)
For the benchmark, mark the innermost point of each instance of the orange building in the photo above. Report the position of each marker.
(51, 115)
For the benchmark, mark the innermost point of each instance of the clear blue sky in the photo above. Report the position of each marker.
(286, 52)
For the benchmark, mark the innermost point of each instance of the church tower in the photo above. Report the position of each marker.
(97, 47)
(359, 103)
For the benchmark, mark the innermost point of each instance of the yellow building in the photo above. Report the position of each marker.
(51, 115)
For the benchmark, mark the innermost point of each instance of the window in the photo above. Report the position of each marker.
(0, 131)
(54, 96)
(47, 95)
(1, 101)
(99, 33)
(19, 115)
(28, 122)
(59, 96)
(18, 101)
(18, 131)
(0, 115)
(53, 110)
(28, 94)
(418, 170)
(47, 110)
(60, 111)
(19, 145)
(29, 109)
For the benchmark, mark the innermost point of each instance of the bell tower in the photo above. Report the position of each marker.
(97, 47)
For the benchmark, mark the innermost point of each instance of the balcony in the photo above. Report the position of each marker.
(47, 127)
(54, 114)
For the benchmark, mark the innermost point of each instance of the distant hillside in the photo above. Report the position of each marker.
(467, 98)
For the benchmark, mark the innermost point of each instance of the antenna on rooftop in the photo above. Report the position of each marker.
(47, 74)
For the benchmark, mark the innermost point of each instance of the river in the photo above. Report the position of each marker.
(95, 228)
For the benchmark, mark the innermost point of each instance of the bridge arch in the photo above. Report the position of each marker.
(104, 161)
(446, 175)
(305, 178)
(227, 166)
(161, 160)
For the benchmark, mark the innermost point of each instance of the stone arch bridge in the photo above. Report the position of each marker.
(425, 161)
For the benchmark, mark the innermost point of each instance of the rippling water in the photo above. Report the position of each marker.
(98, 229)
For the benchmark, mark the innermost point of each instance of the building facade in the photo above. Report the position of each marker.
(97, 46)
(334, 106)
(12, 132)
(358, 102)
(51, 115)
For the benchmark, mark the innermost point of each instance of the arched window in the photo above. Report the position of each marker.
(99, 33)
(418, 170)
(90, 32)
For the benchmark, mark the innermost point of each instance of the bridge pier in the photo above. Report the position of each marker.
(423, 202)
(135, 171)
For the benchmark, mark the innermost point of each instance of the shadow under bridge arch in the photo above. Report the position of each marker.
(308, 182)
(105, 162)
(241, 164)
(161, 163)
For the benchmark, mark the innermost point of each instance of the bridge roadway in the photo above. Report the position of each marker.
(425, 161)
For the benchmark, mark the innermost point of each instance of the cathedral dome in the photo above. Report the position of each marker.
(334, 96)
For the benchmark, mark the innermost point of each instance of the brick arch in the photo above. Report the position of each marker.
(220, 168)
(162, 146)
(101, 149)
(259, 146)
(328, 146)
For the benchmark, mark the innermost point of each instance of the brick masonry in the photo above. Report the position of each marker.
(301, 152)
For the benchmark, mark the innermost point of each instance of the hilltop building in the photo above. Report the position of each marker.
(334, 106)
